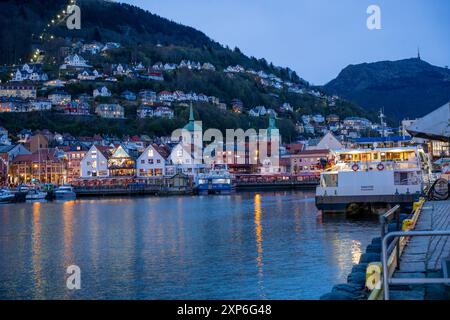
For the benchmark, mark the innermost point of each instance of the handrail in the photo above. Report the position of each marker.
(384, 254)
(386, 217)
(384, 221)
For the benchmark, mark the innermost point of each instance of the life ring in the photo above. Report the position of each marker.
(380, 167)
(355, 167)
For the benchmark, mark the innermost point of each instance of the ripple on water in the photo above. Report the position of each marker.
(269, 245)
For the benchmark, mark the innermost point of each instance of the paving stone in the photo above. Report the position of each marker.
(413, 267)
(423, 256)
(407, 294)
(402, 275)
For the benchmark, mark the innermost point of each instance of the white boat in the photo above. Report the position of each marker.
(383, 176)
(6, 196)
(35, 194)
(65, 192)
(23, 188)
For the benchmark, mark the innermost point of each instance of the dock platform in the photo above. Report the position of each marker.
(423, 257)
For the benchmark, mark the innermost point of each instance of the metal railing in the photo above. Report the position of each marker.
(396, 247)
(385, 219)
(387, 279)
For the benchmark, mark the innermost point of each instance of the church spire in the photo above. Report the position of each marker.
(191, 114)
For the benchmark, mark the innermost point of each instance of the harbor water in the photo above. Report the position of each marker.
(267, 245)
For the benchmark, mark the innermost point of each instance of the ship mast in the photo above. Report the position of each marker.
(382, 116)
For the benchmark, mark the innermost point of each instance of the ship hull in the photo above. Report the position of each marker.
(343, 203)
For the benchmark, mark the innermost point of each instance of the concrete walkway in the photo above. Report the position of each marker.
(423, 256)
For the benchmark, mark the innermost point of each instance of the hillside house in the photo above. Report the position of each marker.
(101, 92)
(111, 111)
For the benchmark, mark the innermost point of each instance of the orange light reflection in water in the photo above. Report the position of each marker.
(36, 239)
(259, 240)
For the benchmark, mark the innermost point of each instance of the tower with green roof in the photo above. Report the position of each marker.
(194, 128)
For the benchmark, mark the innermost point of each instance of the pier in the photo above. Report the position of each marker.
(156, 190)
(411, 258)
(426, 257)
(276, 182)
(415, 255)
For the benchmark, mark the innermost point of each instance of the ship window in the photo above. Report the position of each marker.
(330, 180)
(401, 178)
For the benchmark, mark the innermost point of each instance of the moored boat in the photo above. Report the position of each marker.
(23, 188)
(217, 181)
(35, 194)
(65, 192)
(6, 196)
(374, 178)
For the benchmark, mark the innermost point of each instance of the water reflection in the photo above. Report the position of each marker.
(270, 245)
(67, 214)
(36, 241)
(356, 251)
(259, 242)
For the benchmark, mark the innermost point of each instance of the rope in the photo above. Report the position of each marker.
(439, 190)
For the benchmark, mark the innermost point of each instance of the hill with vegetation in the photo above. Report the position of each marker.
(149, 39)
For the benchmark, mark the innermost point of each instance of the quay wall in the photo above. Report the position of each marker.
(355, 287)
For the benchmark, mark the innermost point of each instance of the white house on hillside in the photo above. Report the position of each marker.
(102, 92)
(29, 73)
(258, 111)
(75, 61)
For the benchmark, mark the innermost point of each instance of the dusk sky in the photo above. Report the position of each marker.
(318, 38)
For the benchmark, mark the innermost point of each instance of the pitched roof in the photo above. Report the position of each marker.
(5, 149)
(49, 154)
(435, 125)
(382, 139)
(163, 150)
(105, 150)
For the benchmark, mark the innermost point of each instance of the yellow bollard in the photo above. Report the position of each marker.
(416, 205)
(407, 224)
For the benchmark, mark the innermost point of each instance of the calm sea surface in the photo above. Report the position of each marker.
(268, 245)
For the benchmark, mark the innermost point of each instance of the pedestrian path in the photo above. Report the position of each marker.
(423, 256)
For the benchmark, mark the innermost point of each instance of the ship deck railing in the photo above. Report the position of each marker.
(373, 165)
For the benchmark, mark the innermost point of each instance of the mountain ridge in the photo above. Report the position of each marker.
(406, 88)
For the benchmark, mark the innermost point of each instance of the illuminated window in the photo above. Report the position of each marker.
(150, 153)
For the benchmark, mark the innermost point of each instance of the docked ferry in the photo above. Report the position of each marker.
(217, 181)
(374, 177)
